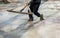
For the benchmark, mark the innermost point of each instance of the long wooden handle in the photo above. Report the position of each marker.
(25, 5)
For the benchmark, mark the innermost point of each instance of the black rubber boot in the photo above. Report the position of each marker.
(30, 16)
(41, 17)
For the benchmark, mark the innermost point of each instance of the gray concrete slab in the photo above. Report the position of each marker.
(14, 25)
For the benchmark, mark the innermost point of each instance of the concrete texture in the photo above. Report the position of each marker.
(14, 25)
(49, 28)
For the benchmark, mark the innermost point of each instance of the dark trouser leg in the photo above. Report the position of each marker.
(30, 15)
(35, 9)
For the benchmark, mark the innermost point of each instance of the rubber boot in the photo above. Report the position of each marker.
(41, 17)
(30, 16)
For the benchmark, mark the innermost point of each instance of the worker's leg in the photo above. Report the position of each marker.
(35, 11)
(31, 15)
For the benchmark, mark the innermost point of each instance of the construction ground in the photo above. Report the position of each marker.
(15, 25)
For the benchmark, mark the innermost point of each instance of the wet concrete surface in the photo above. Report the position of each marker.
(14, 25)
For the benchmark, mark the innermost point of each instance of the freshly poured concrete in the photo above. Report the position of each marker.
(13, 25)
